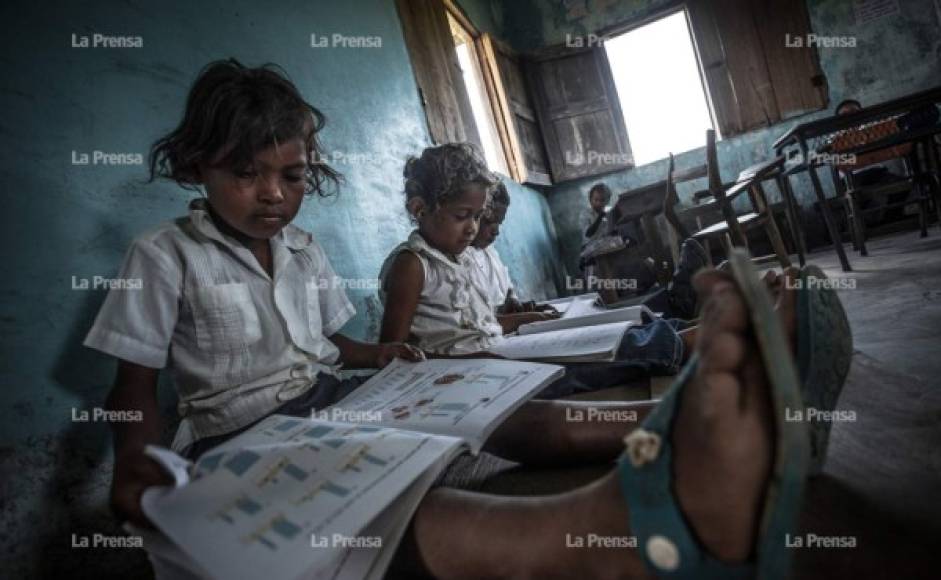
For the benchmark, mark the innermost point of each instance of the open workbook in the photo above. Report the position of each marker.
(330, 496)
(597, 343)
(586, 332)
(588, 310)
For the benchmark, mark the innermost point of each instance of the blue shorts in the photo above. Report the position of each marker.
(647, 350)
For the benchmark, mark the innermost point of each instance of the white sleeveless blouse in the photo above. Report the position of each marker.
(454, 315)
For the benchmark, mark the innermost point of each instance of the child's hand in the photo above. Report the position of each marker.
(388, 351)
(548, 309)
(133, 473)
(511, 304)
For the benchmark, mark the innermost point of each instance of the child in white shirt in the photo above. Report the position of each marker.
(239, 305)
(433, 294)
(493, 273)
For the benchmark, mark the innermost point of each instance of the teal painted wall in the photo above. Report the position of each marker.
(528, 244)
(894, 56)
(63, 220)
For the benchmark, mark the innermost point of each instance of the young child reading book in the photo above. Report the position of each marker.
(242, 307)
(493, 273)
(430, 289)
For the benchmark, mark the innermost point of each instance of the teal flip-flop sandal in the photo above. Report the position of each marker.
(824, 353)
(666, 543)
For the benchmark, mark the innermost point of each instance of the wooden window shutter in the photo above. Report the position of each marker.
(519, 125)
(437, 72)
(754, 79)
(579, 112)
(733, 63)
(798, 81)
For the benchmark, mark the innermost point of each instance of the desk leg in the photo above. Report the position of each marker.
(771, 227)
(606, 269)
(918, 186)
(792, 212)
(655, 243)
(934, 174)
(828, 218)
(854, 218)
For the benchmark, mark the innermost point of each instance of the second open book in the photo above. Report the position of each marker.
(586, 332)
(330, 496)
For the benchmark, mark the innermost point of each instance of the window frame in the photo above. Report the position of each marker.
(495, 101)
(481, 49)
(660, 13)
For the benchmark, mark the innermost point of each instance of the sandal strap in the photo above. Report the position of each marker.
(666, 543)
(824, 353)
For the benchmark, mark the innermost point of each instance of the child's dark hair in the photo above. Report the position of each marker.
(499, 199)
(500, 195)
(600, 188)
(443, 172)
(240, 111)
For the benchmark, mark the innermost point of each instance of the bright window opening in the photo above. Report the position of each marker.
(479, 100)
(660, 89)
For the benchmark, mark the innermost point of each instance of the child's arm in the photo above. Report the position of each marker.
(512, 305)
(135, 389)
(365, 355)
(403, 287)
(514, 314)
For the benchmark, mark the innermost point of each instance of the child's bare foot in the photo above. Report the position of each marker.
(723, 438)
(723, 453)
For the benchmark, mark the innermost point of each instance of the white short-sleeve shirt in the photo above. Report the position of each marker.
(237, 342)
(453, 314)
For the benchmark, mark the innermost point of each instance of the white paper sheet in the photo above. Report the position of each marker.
(287, 498)
(591, 343)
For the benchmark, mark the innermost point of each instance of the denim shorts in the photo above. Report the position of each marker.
(646, 350)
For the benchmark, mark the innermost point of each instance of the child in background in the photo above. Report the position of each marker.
(872, 175)
(597, 226)
(427, 282)
(598, 198)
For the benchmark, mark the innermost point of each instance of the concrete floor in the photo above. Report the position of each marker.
(883, 472)
(895, 310)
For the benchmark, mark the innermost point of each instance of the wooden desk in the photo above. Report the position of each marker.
(643, 205)
(804, 141)
(644, 200)
(640, 205)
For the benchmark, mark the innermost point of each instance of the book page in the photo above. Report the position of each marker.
(291, 496)
(466, 398)
(390, 525)
(589, 317)
(563, 304)
(582, 344)
(584, 306)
